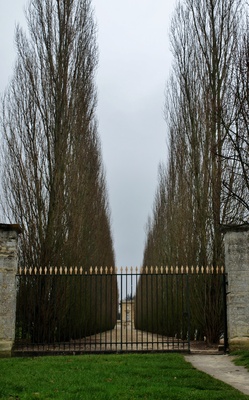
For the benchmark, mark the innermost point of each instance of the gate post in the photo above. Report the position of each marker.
(8, 269)
(237, 268)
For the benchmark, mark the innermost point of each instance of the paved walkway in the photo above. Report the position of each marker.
(221, 367)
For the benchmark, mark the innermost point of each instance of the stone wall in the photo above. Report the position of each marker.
(8, 270)
(237, 268)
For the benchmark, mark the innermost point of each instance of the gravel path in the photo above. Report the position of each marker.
(126, 338)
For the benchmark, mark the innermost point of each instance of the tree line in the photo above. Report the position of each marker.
(204, 183)
(53, 178)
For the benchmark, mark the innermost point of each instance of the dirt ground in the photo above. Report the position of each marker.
(127, 338)
(122, 338)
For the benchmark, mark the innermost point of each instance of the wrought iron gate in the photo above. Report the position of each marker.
(73, 310)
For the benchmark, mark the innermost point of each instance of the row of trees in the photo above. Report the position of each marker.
(184, 306)
(205, 183)
(52, 309)
(53, 180)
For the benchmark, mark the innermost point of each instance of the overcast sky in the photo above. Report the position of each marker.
(134, 64)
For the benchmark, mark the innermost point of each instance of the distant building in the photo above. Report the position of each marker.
(127, 312)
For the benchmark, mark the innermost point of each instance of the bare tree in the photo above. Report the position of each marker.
(53, 178)
(52, 172)
(208, 149)
(237, 145)
(204, 39)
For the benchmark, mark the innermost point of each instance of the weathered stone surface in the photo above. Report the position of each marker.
(8, 269)
(237, 268)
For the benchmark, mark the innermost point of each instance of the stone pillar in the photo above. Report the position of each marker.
(8, 269)
(237, 269)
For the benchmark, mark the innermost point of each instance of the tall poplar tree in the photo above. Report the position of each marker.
(205, 183)
(53, 176)
(200, 106)
(53, 180)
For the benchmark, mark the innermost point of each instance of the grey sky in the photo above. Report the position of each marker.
(134, 65)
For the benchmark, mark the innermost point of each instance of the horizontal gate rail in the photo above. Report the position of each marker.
(65, 310)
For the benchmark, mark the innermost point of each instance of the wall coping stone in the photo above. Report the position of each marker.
(11, 227)
(234, 228)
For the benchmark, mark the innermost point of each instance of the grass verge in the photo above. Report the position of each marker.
(105, 377)
(242, 358)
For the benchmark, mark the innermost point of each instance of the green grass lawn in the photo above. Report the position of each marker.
(127, 376)
(242, 358)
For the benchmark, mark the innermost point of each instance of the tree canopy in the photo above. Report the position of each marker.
(205, 181)
(53, 180)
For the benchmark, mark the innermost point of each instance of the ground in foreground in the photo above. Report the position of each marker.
(126, 376)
